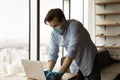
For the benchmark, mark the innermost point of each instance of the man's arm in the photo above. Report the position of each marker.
(75, 39)
(66, 63)
(50, 65)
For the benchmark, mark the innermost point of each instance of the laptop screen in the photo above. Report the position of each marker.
(33, 69)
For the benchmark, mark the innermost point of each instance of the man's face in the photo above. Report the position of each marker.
(55, 23)
(57, 26)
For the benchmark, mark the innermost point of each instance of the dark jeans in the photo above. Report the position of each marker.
(95, 74)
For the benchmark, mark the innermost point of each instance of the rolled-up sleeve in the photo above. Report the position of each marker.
(54, 49)
(75, 39)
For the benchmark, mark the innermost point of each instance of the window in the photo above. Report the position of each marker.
(14, 35)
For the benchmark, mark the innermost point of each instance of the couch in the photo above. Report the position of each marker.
(109, 67)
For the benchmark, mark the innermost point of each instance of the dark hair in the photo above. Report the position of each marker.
(58, 13)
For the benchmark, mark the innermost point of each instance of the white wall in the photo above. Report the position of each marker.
(91, 27)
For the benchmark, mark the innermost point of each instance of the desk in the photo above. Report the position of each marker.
(69, 76)
(66, 76)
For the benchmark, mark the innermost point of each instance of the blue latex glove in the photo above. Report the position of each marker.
(55, 75)
(47, 72)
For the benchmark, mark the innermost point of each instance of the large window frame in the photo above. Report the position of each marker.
(34, 29)
(20, 15)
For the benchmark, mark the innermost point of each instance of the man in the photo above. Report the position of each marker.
(81, 54)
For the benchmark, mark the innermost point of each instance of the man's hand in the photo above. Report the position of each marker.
(55, 75)
(46, 72)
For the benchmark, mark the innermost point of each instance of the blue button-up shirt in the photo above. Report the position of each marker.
(78, 45)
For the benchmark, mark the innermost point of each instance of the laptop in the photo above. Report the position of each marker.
(33, 69)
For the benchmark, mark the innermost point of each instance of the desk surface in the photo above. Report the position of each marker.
(69, 76)
(66, 76)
